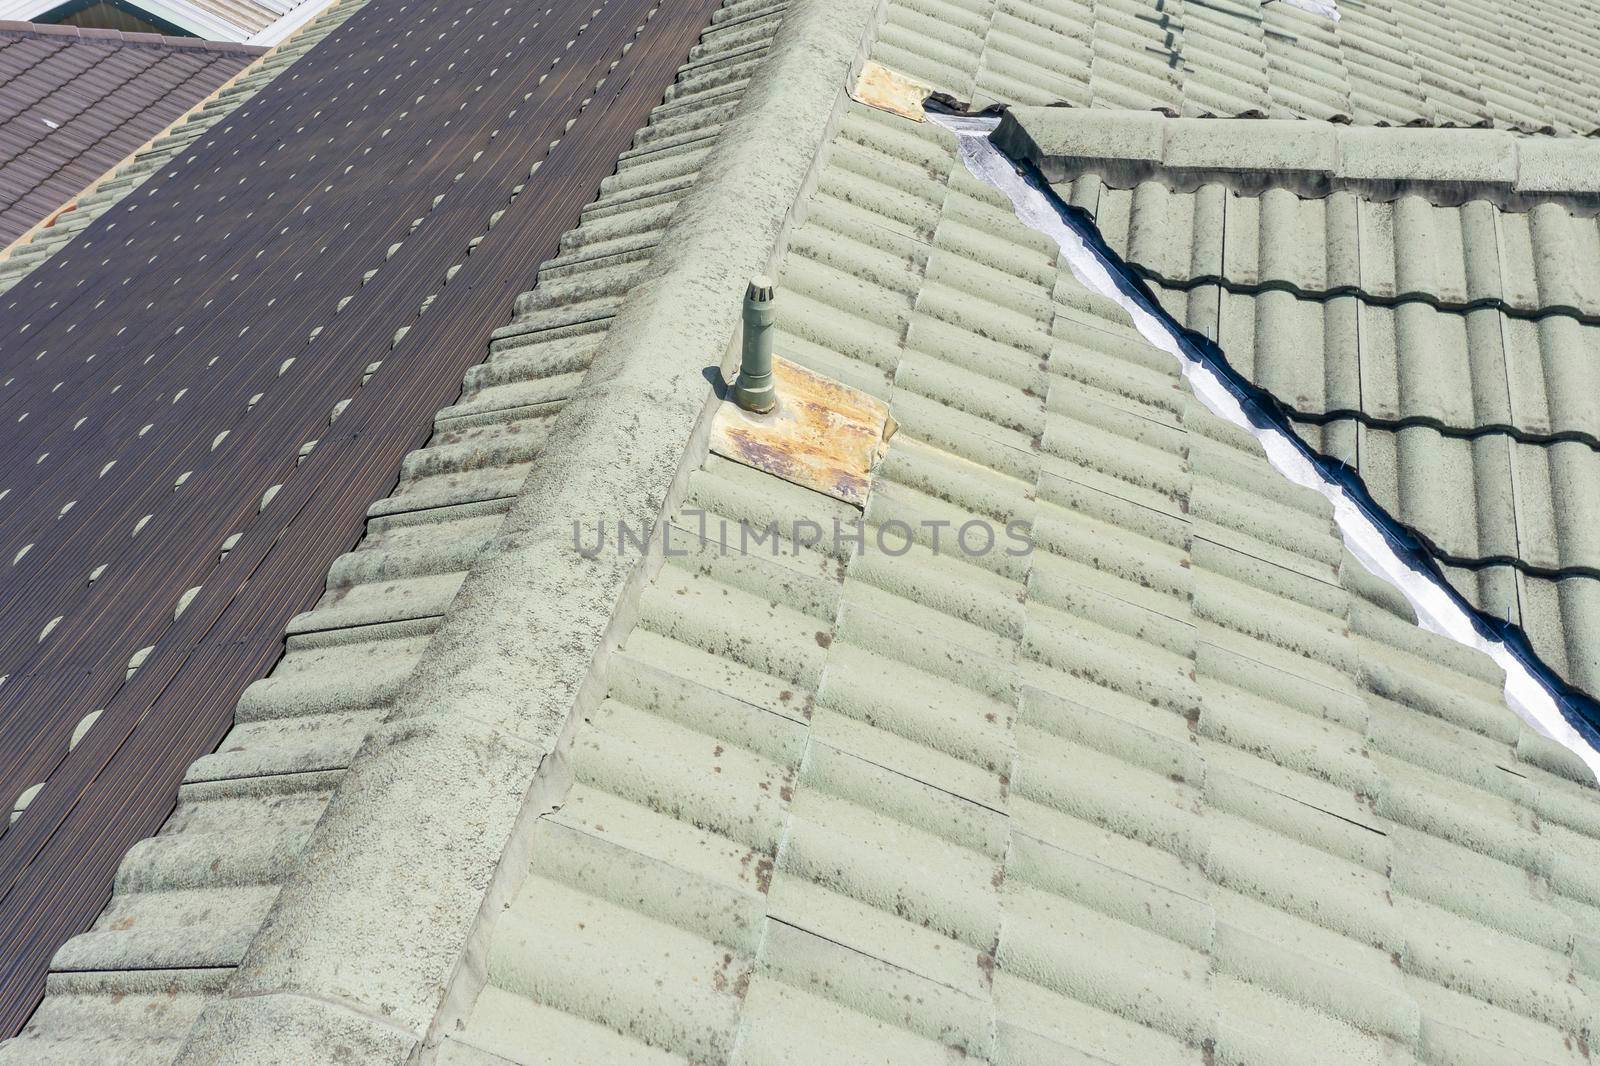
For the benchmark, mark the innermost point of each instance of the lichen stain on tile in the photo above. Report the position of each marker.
(822, 435)
(891, 91)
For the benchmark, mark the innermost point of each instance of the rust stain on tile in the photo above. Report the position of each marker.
(822, 435)
(891, 91)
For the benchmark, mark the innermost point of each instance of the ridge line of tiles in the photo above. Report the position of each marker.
(94, 35)
(1313, 159)
(504, 746)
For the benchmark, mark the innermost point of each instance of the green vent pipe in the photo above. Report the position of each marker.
(754, 391)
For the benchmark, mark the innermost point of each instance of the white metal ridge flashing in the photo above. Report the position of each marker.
(1534, 691)
(289, 15)
(296, 16)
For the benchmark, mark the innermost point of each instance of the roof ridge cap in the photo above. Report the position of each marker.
(1313, 158)
(137, 40)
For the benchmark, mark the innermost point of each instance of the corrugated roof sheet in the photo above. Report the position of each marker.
(74, 104)
(120, 784)
(188, 900)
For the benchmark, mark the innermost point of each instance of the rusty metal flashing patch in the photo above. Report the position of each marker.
(821, 435)
(891, 91)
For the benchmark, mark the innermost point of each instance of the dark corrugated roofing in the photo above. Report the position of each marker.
(75, 102)
(244, 813)
(233, 301)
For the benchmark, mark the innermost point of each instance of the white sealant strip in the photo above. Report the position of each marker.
(1438, 608)
(1328, 9)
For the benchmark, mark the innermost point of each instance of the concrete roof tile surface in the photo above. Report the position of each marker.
(1179, 785)
(1447, 352)
(1183, 785)
(1384, 62)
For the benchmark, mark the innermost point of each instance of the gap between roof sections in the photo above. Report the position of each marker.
(1374, 537)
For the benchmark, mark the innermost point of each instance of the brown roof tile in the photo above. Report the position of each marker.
(72, 100)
